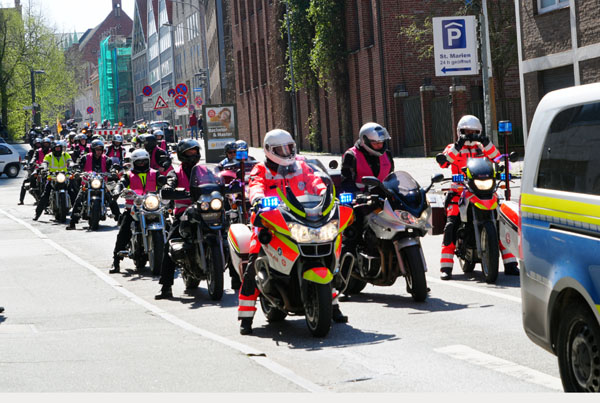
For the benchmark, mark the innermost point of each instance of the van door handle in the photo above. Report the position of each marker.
(577, 231)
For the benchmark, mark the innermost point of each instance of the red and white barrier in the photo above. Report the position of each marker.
(115, 131)
(178, 127)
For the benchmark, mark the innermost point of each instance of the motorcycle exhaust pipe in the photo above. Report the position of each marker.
(123, 253)
(346, 280)
(399, 258)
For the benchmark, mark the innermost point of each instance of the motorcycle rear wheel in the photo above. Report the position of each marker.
(467, 266)
(190, 282)
(215, 266)
(155, 256)
(95, 215)
(355, 286)
(415, 278)
(318, 308)
(271, 312)
(489, 251)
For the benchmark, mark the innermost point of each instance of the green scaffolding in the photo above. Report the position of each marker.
(116, 84)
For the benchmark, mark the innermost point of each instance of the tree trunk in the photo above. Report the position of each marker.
(4, 108)
(343, 101)
(315, 135)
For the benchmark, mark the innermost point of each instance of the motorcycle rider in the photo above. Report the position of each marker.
(31, 163)
(470, 143)
(95, 161)
(159, 158)
(115, 151)
(80, 147)
(141, 179)
(56, 161)
(370, 156)
(71, 140)
(188, 153)
(230, 153)
(280, 150)
(160, 139)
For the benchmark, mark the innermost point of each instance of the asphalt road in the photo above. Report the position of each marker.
(69, 326)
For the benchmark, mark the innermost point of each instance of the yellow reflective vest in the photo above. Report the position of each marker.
(57, 164)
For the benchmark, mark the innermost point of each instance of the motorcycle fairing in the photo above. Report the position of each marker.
(282, 253)
(346, 216)
(319, 275)
(338, 247)
(275, 221)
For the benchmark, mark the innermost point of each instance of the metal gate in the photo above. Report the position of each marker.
(441, 116)
(413, 123)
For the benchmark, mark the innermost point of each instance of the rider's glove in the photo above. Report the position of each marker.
(483, 139)
(460, 142)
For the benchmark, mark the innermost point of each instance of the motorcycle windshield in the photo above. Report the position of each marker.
(201, 175)
(407, 192)
(304, 191)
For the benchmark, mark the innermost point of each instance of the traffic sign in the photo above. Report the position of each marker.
(159, 113)
(180, 101)
(171, 92)
(160, 103)
(199, 101)
(181, 89)
(455, 45)
(147, 90)
(90, 110)
(192, 108)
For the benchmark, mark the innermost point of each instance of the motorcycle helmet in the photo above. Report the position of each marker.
(140, 159)
(469, 122)
(46, 131)
(280, 147)
(51, 137)
(159, 134)
(149, 142)
(37, 142)
(46, 143)
(185, 145)
(230, 148)
(241, 145)
(373, 132)
(82, 137)
(58, 148)
(97, 144)
(117, 140)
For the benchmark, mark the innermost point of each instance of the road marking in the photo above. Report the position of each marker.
(257, 356)
(509, 368)
(480, 290)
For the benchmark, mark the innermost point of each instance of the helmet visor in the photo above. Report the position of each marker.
(285, 151)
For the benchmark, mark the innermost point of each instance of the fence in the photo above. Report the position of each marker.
(441, 116)
(413, 122)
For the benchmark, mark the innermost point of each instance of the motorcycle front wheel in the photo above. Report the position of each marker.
(139, 257)
(489, 252)
(415, 278)
(318, 308)
(95, 215)
(61, 213)
(156, 253)
(215, 266)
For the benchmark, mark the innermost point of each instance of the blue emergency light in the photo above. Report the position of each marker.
(269, 202)
(241, 155)
(346, 198)
(458, 178)
(504, 127)
(503, 176)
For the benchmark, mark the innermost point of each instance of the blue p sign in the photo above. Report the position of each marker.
(454, 34)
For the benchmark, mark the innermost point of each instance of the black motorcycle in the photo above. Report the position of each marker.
(95, 202)
(200, 250)
(60, 201)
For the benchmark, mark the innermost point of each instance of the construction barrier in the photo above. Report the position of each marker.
(111, 132)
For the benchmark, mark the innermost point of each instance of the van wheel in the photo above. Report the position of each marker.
(578, 350)
(12, 170)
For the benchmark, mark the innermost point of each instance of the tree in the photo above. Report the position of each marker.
(27, 43)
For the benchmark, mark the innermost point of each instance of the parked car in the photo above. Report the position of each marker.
(560, 233)
(10, 160)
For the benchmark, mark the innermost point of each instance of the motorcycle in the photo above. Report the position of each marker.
(200, 250)
(301, 244)
(477, 234)
(148, 231)
(232, 178)
(397, 216)
(60, 202)
(95, 203)
(35, 186)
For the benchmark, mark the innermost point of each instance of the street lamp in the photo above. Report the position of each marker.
(34, 109)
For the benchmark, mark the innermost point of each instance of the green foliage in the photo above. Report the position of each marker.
(419, 34)
(314, 133)
(302, 33)
(27, 43)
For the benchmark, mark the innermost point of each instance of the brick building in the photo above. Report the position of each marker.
(559, 46)
(387, 82)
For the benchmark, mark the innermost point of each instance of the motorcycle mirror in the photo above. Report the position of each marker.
(161, 180)
(441, 159)
(513, 156)
(371, 181)
(333, 164)
(437, 178)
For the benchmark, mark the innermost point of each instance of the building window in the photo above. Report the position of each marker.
(569, 160)
(549, 5)
(240, 79)
(151, 24)
(153, 53)
(236, 12)
(166, 68)
(154, 76)
(367, 23)
(165, 43)
(192, 25)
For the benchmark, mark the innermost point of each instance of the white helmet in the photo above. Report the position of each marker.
(158, 132)
(140, 159)
(280, 147)
(373, 132)
(118, 138)
(468, 122)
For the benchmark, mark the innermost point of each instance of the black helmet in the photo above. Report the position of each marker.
(47, 142)
(185, 145)
(149, 142)
(231, 146)
(97, 144)
(37, 140)
(58, 144)
(46, 130)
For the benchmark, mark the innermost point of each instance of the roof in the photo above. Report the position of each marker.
(142, 7)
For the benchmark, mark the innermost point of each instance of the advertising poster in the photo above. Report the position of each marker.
(220, 125)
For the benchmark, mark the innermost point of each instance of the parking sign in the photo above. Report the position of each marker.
(455, 46)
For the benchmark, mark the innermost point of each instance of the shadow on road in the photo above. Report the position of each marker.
(431, 304)
(476, 277)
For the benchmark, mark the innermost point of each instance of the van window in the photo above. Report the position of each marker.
(5, 150)
(570, 155)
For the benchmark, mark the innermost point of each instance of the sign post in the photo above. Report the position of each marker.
(220, 122)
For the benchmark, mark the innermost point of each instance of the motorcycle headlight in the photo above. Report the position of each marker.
(61, 178)
(406, 217)
(96, 183)
(484, 184)
(204, 206)
(304, 234)
(216, 204)
(151, 202)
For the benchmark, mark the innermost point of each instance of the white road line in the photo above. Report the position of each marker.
(481, 290)
(520, 372)
(255, 355)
